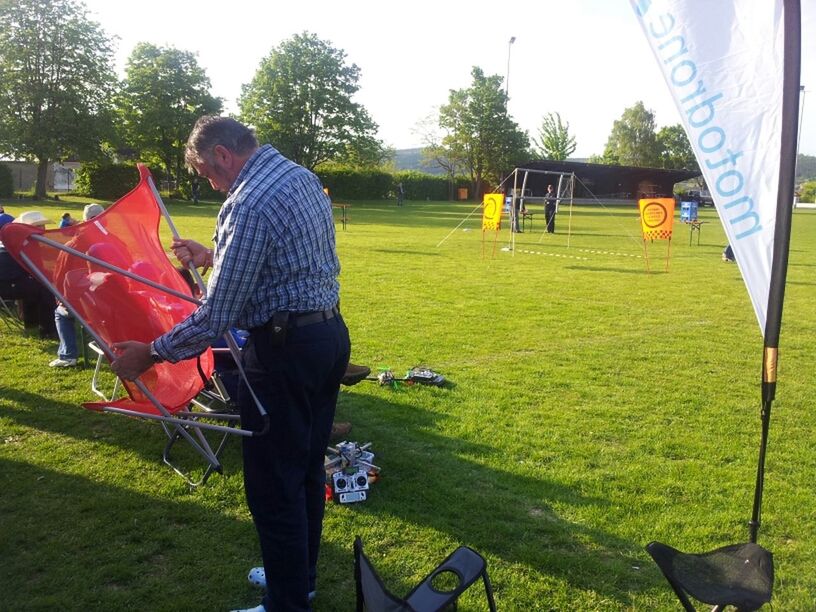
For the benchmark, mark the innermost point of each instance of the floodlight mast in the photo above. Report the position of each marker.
(507, 80)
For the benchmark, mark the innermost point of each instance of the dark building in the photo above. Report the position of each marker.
(604, 182)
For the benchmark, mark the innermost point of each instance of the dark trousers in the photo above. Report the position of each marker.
(284, 475)
(549, 215)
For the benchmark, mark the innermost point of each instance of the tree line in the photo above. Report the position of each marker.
(60, 99)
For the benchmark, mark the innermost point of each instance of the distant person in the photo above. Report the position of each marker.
(728, 254)
(550, 209)
(196, 189)
(400, 194)
(66, 221)
(515, 214)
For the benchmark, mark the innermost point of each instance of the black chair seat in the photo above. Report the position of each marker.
(461, 568)
(739, 575)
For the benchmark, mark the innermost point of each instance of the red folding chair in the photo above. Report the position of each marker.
(113, 275)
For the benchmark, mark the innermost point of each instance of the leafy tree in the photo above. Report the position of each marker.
(300, 100)
(480, 134)
(675, 148)
(805, 167)
(554, 140)
(6, 182)
(808, 192)
(165, 91)
(633, 141)
(56, 77)
(435, 153)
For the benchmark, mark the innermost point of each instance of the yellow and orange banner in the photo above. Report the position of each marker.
(492, 211)
(656, 218)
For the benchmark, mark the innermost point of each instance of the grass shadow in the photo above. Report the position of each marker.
(144, 552)
(451, 485)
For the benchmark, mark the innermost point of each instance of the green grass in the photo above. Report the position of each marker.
(592, 408)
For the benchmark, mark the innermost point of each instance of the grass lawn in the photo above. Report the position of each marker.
(593, 407)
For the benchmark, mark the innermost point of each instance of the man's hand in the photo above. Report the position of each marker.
(132, 359)
(190, 250)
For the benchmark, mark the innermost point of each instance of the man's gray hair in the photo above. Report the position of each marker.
(212, 130)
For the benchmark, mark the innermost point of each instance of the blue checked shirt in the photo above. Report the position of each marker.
(274, 250)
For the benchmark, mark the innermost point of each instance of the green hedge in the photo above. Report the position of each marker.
(6, 182)
(351, 184)
(106, 181)
(346, 183)
(422, 186)
(112, 181)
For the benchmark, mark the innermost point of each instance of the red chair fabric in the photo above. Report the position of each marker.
(116, 307)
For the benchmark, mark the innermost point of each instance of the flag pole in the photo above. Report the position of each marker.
(784, 212)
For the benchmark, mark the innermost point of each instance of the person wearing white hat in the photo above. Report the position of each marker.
(36, 301)
(67, 353)
(33, 217)
(91, 210)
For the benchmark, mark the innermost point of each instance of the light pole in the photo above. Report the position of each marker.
(507, 80)
(801, 116)
(798, 137)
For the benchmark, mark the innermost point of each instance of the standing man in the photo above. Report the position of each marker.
(550, 209)
(400, 193)
(274, 273)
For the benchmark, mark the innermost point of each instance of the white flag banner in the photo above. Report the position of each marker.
(723, 61)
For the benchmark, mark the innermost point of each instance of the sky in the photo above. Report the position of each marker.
(585, 59)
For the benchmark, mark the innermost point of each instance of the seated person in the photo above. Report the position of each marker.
(67, 352)
(36, 301)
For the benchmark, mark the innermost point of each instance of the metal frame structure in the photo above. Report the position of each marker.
(180, 424)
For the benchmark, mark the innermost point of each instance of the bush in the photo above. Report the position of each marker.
(353, 184)
(808, 193)
(205, 192)
(6, 182)
(422, 186)
(345, 183)
(106, 181)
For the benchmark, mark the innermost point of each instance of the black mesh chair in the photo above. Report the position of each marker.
(739, 575)
(462, 568)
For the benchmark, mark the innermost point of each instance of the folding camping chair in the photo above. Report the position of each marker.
(8, 312)
(114, 277)
(464, 565)
(739, 575)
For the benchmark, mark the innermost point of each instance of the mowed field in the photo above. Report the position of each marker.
(591, 407)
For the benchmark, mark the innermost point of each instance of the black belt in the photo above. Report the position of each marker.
(302, 319)
(296, 319)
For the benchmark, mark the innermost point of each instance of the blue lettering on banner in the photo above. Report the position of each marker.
(700, 108)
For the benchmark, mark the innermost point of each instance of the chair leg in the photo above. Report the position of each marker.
(213, 465)
(491, 602)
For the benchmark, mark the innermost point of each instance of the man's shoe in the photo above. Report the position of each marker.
(339, 431)
(63, 363)
(258, 608)
(354, 374)
(257, 577)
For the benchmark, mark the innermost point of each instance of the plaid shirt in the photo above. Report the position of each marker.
(274, 250)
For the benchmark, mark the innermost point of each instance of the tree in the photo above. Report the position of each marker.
(56, 76)
(633, 141)
(300, 100)
(434, 153)
(554, 140)
(675, 148)
(164, 92)
(480, 134)
(805, 167)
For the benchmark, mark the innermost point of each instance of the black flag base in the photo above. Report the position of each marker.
(739, 575)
